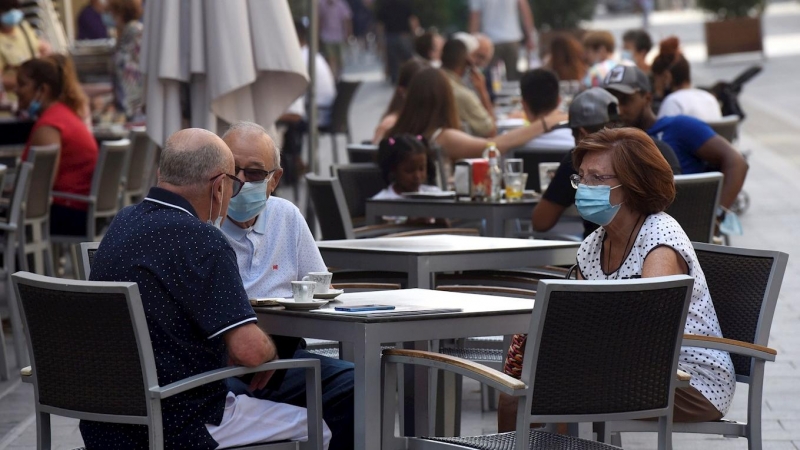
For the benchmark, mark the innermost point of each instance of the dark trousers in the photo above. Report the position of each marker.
(398, 51)
(337, 395)
(66, 221)
(508, 52)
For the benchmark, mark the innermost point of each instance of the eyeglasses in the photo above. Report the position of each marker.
(254, 175)
(589, 180)
(237, 183)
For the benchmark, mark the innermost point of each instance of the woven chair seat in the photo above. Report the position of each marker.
(476, 354)
(538, 440)
(486, 339)
(333, 352)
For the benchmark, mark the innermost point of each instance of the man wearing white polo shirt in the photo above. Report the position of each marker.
(274, 247)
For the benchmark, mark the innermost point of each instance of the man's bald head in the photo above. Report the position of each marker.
(192, 156)
(483, 55)
(249, 136)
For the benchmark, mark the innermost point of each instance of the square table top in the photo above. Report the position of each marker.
(525, 201)
(471, 305)
(442, 244)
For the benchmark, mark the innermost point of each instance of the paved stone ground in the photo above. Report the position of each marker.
(771, 133)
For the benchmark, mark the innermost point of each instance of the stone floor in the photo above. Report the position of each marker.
(771, 134)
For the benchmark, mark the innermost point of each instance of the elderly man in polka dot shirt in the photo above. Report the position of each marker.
(197, 310)
(274, 247)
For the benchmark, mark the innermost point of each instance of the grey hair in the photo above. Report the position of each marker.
(183, 166)
(252, 127)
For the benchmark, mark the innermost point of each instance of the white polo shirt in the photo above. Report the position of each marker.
(278, 249)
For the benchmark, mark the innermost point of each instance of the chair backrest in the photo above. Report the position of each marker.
(43, 158)
(695, 204)
(744, 285)
(89, 343)
(362, 153)
(359, 183)
(22, 186)
(727, 127)
(531, 159)
(345, 92)
(139, 164)
(110, 168)
(331, 208)
(606, 349)
(87, 251)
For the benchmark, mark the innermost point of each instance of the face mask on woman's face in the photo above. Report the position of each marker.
(12, 17)
(594, 203)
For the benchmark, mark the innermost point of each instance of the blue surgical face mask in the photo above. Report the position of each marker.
(12, 17)
(34, 108)
(626, 55)
(594, 203)
(250, 202)
(108, 20)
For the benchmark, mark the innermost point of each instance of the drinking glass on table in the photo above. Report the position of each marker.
(513, 165)
(515, 185)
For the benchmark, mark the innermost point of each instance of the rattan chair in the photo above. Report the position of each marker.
(744, 286)
(9, 226)
(359, 183)
(104, 194)
(362, 153)
(34, 235)
(77, 369)
(137, 172)
(695, 204)
(597, 351)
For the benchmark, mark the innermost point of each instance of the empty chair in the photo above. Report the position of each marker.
(585, 345)
(744, 285)
(362, 153)
(10, 226)
(140, 162)
(334, 216)
(340, 123)
(695, 205)
(359, 183)
(103, 199)
(100, 366)
(34, 234)
(727, 127)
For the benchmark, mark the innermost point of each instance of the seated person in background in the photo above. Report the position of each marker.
(41, 92)
(18, 43)
(274, 247)
(72, 95)
(407, 71)
(540, 97)
(636, 44)
(474, 109)
(481, 52)
(672, 82)
(407, 166)
(202, 322)
(91, 24)
(566, 58)
(623, 171)
(590, 111)
(430, 111)
(428, 46)
(599, 46)
(696, 145)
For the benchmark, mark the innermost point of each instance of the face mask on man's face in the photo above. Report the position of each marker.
(12, 17)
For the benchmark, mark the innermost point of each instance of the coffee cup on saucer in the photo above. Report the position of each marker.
(322, 279)
(303, 291)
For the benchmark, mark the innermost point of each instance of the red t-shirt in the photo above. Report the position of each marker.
(78, 153)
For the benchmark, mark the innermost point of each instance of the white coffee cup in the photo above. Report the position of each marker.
(323, 280)
(303, 291)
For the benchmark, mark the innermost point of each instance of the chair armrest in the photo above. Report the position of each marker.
(162, 392)
(492, 378)
(730, 346)
(70, 196)
(683, 376)
(8, 226)
(27, 374)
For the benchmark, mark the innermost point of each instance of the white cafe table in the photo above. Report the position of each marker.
(496, 213)
(362, 335)
(423, 256)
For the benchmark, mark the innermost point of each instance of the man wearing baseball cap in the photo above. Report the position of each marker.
(698, 148)
(590, 111)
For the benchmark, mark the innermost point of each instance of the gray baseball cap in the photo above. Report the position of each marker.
(595, 106)
(626, 79)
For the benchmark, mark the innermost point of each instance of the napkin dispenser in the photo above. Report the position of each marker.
(471, 178)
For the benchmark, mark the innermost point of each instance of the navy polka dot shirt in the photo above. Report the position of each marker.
(192, 293)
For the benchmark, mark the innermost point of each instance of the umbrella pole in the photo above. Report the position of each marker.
(313, 48)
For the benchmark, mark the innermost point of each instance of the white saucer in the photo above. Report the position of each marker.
(330, 295)
(305, 306)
